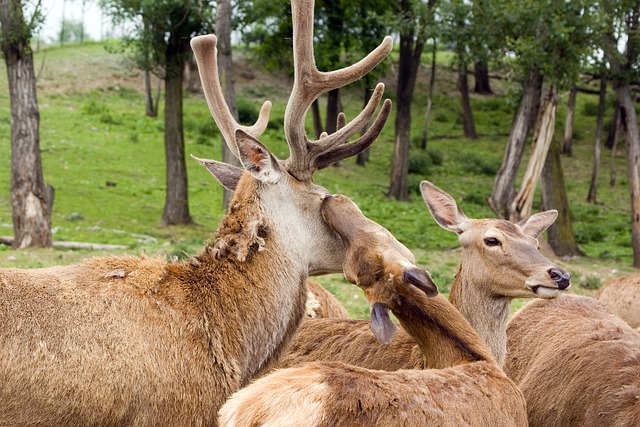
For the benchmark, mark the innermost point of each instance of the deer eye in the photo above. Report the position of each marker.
(492, 241)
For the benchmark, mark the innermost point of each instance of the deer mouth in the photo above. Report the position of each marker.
(543, 291)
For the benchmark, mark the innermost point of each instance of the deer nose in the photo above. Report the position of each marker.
(561, 277)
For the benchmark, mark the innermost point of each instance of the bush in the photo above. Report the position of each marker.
(413, 184)
(420, 163)
(247, 111)
(589, 232)
(591, 282)
(590, 108)
(437, 157)
(475, 164)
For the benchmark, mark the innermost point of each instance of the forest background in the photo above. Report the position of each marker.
(104, 156)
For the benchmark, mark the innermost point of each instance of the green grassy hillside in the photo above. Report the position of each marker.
(105, 159)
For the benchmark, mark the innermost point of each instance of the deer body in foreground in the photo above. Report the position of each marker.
(470, 389)
(577, 364)
(499, 261)
(138, 342)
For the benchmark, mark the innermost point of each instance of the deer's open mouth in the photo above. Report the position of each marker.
(545, 291)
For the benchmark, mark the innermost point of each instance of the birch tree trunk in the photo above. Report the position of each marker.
(568, 124)
(505, 182)
(30, 209)
(520, 208)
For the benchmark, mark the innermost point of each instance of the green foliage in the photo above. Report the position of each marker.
(591, 282)
(420, 162)
(590, 108)
(84, 155)
(247, 111)
(474, 163)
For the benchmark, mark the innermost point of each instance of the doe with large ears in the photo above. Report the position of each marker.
(499, 261)
(138, 342)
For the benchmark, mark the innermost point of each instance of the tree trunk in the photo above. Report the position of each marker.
(192, 76)
(30, 208)
(554, 196)
(432, 81)
(465, 102)
(629, 121)
(568, 124)
(612, 133)
(505, 182)
(614, 147)
(521, 206)
(407, 71)
(333, 108)
(593, 187)
(317, 119)
(225, 65)
(151, 106)
(481, 73)
(176, 207)
(363, 156)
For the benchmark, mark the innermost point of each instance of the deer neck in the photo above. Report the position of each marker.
(486, 312)
(249, 287)
(445, 338)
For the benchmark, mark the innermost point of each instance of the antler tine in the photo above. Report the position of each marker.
(347, 150)
(206, 53)
(310, 83)
(345, 131)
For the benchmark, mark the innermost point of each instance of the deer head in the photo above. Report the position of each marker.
(290, 199)
(378, 263)
(499, 252)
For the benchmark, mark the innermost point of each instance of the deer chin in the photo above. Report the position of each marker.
(542, 291)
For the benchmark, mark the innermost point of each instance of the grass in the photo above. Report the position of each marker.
(105, 159)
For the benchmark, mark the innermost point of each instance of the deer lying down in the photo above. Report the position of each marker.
(323, 304)
(472, 390)
(499, 261)
(577, 364)
(128, 341)
(621, 296)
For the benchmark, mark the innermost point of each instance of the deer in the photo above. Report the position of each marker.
(470, 389)
(576, 362)
(139, 341)
(621, 295)
(500, 261)
(323, 304)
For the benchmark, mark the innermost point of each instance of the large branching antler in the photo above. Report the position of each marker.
(309, 83)
(206, 53)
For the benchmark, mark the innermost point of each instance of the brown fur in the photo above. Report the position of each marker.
(137, 341)
(577, 364)
(486, 283)
(471, 389)
(621, 295)
(323, 304)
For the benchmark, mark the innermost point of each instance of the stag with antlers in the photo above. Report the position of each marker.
(138, 341)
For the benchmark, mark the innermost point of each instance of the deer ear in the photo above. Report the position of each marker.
(443, 208)
(226, 174)
(538, 222)
(257, 159)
